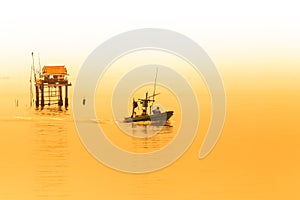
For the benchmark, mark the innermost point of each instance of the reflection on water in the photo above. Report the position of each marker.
(52, 152)
(155, 136)
(139, 137)
(145, 186)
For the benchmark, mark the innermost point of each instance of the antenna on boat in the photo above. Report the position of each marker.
(155, 83)
(154, 89)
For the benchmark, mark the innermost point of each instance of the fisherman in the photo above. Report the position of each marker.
(156, 111)
(135, 104)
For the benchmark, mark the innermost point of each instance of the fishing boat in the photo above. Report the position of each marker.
(148, 113)
(151, 115)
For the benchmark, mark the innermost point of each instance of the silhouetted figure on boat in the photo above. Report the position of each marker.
(156, 111)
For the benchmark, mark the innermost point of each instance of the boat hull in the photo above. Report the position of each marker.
(156, 117)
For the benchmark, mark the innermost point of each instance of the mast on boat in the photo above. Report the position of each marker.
(145, 101)
(154, 89)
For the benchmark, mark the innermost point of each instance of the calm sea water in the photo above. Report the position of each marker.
(257, 157)
(41, 153)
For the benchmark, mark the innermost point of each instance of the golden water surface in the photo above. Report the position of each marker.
(257, 156)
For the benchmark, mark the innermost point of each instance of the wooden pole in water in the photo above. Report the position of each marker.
(49, 95)
(37, 101)
(40, 68)
(60, 101)
(66, 97)
(31, 89)
(42, 96)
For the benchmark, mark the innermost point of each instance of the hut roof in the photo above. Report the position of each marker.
(54, 70)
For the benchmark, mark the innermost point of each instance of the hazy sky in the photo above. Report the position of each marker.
(234, 34)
